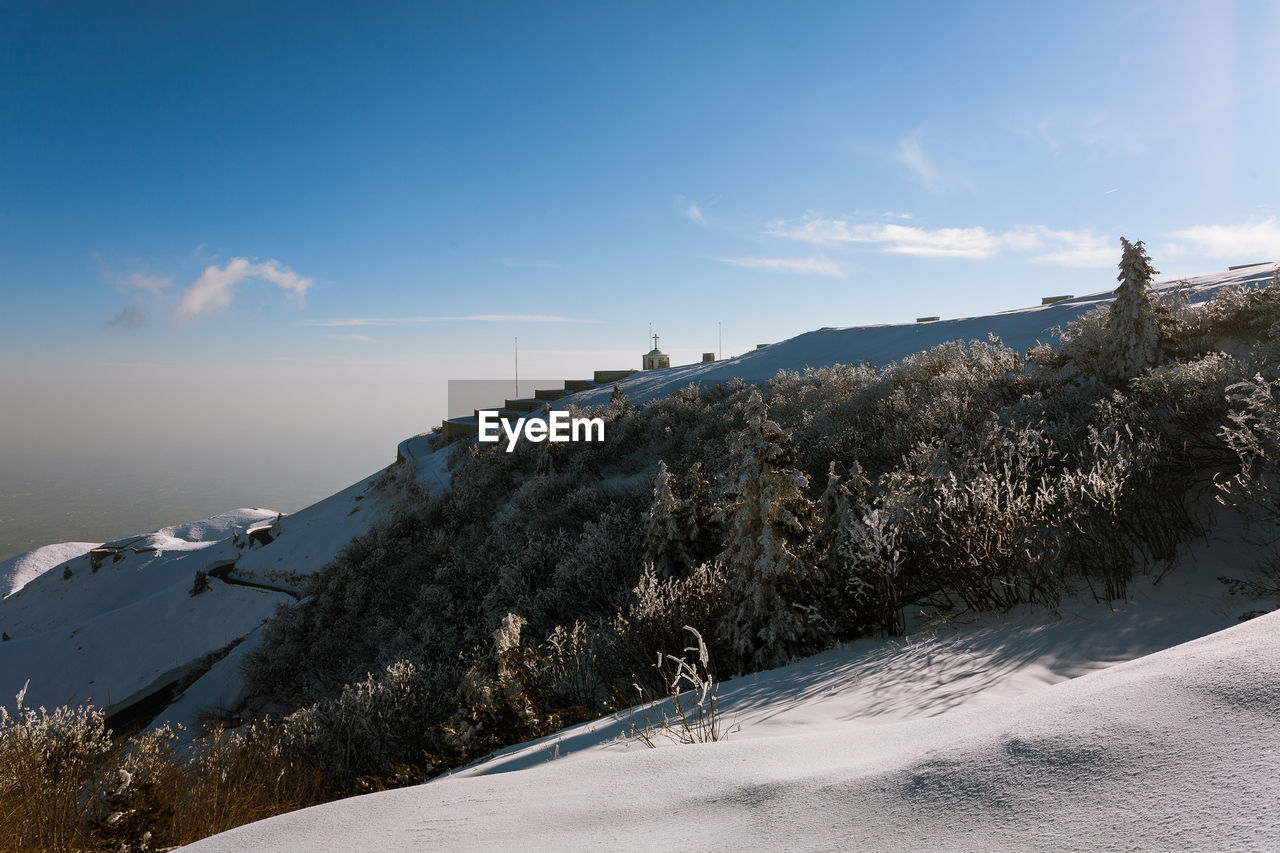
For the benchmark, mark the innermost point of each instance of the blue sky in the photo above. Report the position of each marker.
(277, 213)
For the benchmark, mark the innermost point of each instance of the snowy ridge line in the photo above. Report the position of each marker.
(1019, 329)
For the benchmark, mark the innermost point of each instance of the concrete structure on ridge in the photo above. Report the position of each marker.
(655, 359)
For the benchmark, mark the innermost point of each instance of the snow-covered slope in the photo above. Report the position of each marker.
(17, 572)
(112, 624)
(1014, 733)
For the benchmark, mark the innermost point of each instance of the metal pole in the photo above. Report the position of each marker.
(720, 338)
(517, 345)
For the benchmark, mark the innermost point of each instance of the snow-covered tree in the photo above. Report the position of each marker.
(673, 538)
(850, 595)
(1132, 341)
(664, 546)
(767, 516)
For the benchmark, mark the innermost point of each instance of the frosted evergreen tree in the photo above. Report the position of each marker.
(833, 506)
(1132, 341)
(664, 545)
(769, 579)
(673, 540)
(850, 592)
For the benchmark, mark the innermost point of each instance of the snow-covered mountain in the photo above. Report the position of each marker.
(154, 628)
(116, 624)
(130, 628)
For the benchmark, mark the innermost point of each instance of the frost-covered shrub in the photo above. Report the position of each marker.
(654, 623)
(859, 413)
(972, 518)
(1252, 432)
(1185, 402)
(575, 668)
(866, 566)
(594, 572)
(67, 785)
(51, 777)
(373, 725)
(136, 806)
(1148, 517)
(1080, 345)
(1232, 315)
(505, 698)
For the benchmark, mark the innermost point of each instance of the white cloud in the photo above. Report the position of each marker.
(796, 266)
(911, 154)
(214, 288)
(418, 321)
(695, 214)
(1249, 241)
(358, 338)
(1061, 247)
(1078, 249)
(974, 242)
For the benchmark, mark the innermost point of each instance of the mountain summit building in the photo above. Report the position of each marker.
(655, 359)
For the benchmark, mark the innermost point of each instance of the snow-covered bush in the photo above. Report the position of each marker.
(595, 570)
(1252, 432)
(1233, 315)
(504, 698)
(372, 726)
(574, 668)
(866, 567)
(851, 413)
(67, 785)
(1185, 402)
(972, 518)
(51, 775)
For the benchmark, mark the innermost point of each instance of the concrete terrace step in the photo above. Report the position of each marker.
(527, 404)
(574, 385)
(550, 394)
(506, 414)
(603, 376)
(454, 427)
